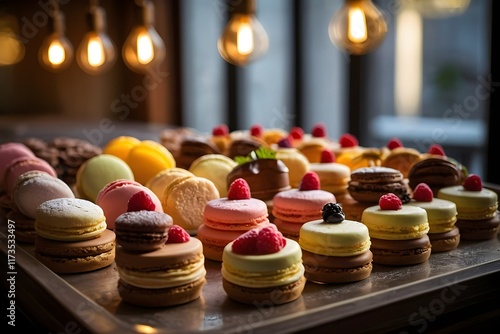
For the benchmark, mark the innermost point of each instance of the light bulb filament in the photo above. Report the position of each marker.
(95, 52)
(145, 50)
(56, 53)
(244, 39)
(357, 32)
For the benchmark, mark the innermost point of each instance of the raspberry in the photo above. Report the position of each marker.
(423, 193)
(390, 202)
(394, 143)
(256, 130)
(140, 201)
(327, 156)
(284, 143)
(310, 181)
(239, 189)
(270, 240)
(297, 132)
(436, 149)
(348, 140)
(473, 183)
(319, 130)
(246, 244)
(220, 130)
(177, 235)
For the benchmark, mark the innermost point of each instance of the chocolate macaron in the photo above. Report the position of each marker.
(142, 231)
(369, 183)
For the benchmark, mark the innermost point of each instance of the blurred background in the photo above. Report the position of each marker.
(428, 81)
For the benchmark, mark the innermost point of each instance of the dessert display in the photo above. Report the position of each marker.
(335, 250)
(334, 177)
(441, 215)
(477, 207)
(65, 154)
(72, 236)
(398, 232)
(226, 218)
(97, 172)
(185, 199)
(114, 198)
(296, 161)
(265, 174)
(294, 207)
(261, 265)
(172, 274)
(216, 168)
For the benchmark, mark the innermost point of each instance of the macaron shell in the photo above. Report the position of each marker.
(347, 238)
(185, 200)
(35, 187)
(162, 179)
(300, 206)
(8, 152)
(76, 257)
(485, 229)
(445, 241)
(22, 165)
(402, 159)
(441, 214)
(471, 205)
(401, 252)
(98, 171)
(242, 215)
(334, 177)
(149, 158)
(215, 167)
(120, 146)
(297, 164)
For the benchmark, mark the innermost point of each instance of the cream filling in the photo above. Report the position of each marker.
(263, 279)
(398, 232)
(332, 250)
(70, 233)
(165, 278)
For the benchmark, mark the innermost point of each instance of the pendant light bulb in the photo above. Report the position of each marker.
(96, 53)
(244, 39)
(144, 49)
(357, 27)
(56, 52)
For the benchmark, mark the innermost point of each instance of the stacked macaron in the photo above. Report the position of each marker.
(477, 207)
(263, 266)
(398, 232)
(441, 215)
(30, 190)
(72, 236)
(334, 177)
(114, 196)
(158, 263)
(368, 184)
(294, 207)
(335, 250)
(226, 218)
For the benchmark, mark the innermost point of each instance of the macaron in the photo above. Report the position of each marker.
(215, 167)
(334, 177)
(435, 171)
(142, 231)
(69, 257)
(8, 152)
(148, 158)
(193, 147)
(242, 146)
(297, 164)
(69, 219)
(23, 226)
(120, 146)
(402, 159)
(185, 200)
(22, 165)
(35, 187)
(171, 275)
(335, 250)
(367, 184)
(114, 198)
(162, 179)
(98, 171)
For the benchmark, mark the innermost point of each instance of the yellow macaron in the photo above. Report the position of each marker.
(120, 146)
(215, 167)
(147, 159)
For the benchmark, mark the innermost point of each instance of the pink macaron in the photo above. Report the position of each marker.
(114, 196)
(22, 165)
(8, 152)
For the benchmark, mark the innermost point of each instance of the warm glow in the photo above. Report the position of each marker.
(356, 31)
(11, 49)
(244, 39)
(95, 52)
(145, 51)
(56, 53)
(408, 67)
